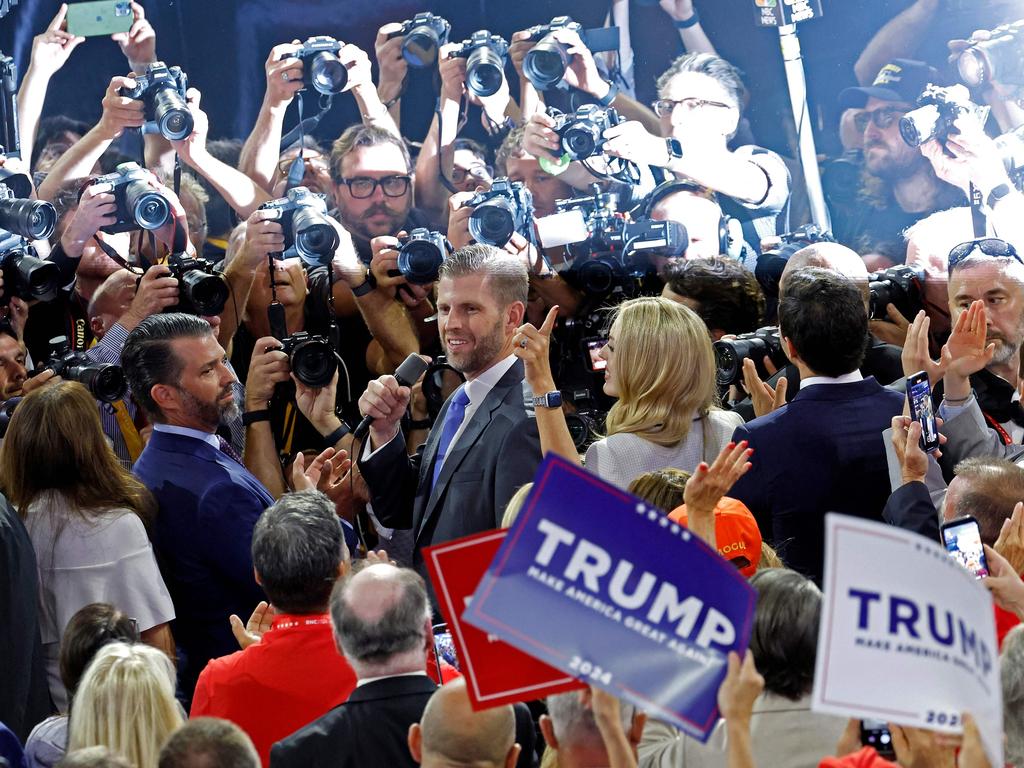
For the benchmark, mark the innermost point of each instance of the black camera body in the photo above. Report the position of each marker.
(937, 110)
(422, 36)
(22, 220)
(162, 90)
(137, 204)
(581, 133)
(6, 412)
(311, 358)
(545, 64)
(1001, 57)
(756, 345)
(901, 286)
(309, 232)
(321, 69)
(485, 56)
(421, 255)
(202, 290)
(500, 212)
(105, 382)
(776, 252)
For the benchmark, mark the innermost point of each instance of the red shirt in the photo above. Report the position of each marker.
(271, 689)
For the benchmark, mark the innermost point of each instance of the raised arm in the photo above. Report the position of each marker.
(899, 37)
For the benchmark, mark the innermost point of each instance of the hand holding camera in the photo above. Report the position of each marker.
(284, 76)
(967, 156)
(582, 72)
(263, 235)
(539, 136)
(161, 89)
(317, 404)
(120, 111)
(97, 209)
(268, 367)
(459, 213)
(392, 64)
(631, 141)
(157, 290)
(192, 148)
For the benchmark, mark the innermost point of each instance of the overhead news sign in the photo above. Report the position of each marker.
(598, 584)
(907, 634)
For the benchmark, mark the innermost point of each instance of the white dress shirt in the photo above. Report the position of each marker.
(846, 378)
(207, 437)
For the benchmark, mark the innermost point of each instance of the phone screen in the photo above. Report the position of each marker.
(962, 539)
(594, 347)
(919, 393)
(444, 648)
(875, 733)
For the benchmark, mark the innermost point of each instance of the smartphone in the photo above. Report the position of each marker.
(919, 394)
(962, 539)
(102, 17)
(444, 648)
(875, 733)
(594, 347)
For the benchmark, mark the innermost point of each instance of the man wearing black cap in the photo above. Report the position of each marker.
(898, 185)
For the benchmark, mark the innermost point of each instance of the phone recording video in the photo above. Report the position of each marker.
(444, 649)
(875, 733)
(919, 394)
(594, 347)
(962, 539)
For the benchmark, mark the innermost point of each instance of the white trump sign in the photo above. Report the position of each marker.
(907, 634)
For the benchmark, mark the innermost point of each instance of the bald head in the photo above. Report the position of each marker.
(451, 733)
(833, 256)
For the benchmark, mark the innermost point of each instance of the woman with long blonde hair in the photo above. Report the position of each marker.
(126, 702)
(87, 517)
(661, 367)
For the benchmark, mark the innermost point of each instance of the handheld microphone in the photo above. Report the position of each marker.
(408, 372)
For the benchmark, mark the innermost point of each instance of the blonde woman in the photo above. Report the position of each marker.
(126, 702)
(661, 367)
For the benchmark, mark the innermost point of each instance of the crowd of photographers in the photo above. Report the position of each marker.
(244, 384)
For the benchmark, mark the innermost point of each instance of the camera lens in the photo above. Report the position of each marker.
(883, 293)
(313, 362)
(315, 237)
(919, 126)
(419, 261)
(104, 381)
(545, 63)
(419, 47)
(32, 219)
(206, 293)
(485, 71)
(492, 223)
(597, 276)
(730, 354)
(27, 277)
(149, 209)
(580, 141)
(327, 74)
(172, 115)
(972, 67)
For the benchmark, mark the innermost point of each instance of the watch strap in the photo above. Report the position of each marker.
(366, 286)
(613, 91)
(251, 417)
(998, 193)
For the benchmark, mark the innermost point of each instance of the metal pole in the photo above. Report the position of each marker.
(793, 62)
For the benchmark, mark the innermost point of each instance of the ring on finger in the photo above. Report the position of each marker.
(522, 343)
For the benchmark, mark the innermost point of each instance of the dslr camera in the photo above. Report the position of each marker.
(776, 251)
(137, 204)
(485, 62)
(105, 382)
(581, 133)
(421, 255)
(1001, 57)
(202, 290)
(546, 62)
(901, 286)
(23, 220)
(500, 212)
(309, 232)
(311, 357)
(938, 109)
(6, 412)
(421, 36)
(321, 69)
(162, 90)
(730, 354)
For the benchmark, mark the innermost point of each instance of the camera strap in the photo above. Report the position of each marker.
(441, 175)
(307, 125)
(978, 219)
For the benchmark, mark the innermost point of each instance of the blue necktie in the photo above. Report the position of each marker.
(452, 421)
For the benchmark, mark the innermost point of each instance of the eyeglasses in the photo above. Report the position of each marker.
(284, 165)
(882, 118)
(989, 246)
(478, 172)
(665, 107)
(362, 187)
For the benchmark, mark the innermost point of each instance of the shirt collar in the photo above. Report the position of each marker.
(207, 437)
(846, 378)
(367, 680)
(477, 389)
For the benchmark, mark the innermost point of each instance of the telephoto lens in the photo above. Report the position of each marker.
(105, 382)
(31, 219)
(28, 277)
(730, 354)
(316, 239)
(327, 74)
(172, 115)
(546, 62)
(149, 209)
(485, 71)
(421, 256)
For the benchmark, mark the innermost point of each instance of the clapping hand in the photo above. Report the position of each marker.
(915, 355)
(260, 622)
(967, 348)
(1010, 543)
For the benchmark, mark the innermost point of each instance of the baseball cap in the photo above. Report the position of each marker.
(736, 533)
(899, 80)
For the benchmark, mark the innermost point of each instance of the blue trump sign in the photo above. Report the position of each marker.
(599, 584)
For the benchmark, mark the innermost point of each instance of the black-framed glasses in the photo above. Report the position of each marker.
(308, 155)
(665, 107)
(477, 172)
(362, 187)
(882, 117)
(989, 246)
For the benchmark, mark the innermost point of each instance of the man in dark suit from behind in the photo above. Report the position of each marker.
(484, 444)
(823, 452)
(208, 502)
(381, 618)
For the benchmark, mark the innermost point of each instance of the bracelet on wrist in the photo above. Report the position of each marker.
(251, 417)
(958, 400)
(332, 439)
(693, 21)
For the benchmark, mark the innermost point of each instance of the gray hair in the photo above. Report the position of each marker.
(1011, 670)
(575, 724)
(209, 741)
(398, 630)
(506, 276)
(297, 548)
(715, 67)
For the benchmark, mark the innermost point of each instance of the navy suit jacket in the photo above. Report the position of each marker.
(209, 504)
(821, 453)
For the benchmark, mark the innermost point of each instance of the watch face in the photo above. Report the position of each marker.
(675, 147)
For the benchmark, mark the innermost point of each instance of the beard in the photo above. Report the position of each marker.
(484, 353)
(211, 414)
(894, 164)
(361, 227)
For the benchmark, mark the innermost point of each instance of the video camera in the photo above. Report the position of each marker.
(309, 232)
(545, 64)
(162, 90)
(422, 36)
(322, 70)
(23, 220)
(421, 255)
(1001, 57)
(485, 62)
(105, 382)
(581, 133)
(901, 286)
(137, 204)
(937, 111)
(202, 290)
(500, 212)
(756, 345)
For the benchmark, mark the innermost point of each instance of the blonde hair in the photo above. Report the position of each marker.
(515, 504)
(126, 702)
(664, 370)
(662, 488)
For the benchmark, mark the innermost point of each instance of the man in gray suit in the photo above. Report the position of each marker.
(484, 444)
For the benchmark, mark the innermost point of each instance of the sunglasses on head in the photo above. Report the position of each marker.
(989, 246)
